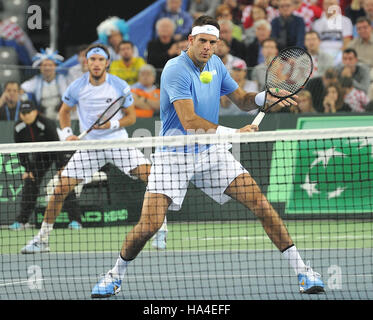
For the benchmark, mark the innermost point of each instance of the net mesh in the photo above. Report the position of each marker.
(320, 182)
(288, 72)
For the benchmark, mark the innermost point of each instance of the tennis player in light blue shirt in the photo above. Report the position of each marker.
(181, 80)
(188, 105)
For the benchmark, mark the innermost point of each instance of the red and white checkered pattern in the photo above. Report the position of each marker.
(11, 31)
(308, 14)
(357, 100)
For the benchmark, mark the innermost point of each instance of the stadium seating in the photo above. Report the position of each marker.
(8, 56)
(9, 74)
(15, 6)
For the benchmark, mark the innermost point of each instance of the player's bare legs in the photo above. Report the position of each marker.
(245, 190)
(61, 191)
(159, 240)
(40, 242)
(152, 216)
(142, 172)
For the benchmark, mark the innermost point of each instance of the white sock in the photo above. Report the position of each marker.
(164, 225)
(45, 230)
(295, 261)
(120, 267)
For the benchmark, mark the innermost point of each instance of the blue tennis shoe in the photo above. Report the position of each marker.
(108, 286)
(74, 225)
(310, 281)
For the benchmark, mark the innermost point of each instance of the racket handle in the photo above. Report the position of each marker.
(82, 135)
(259, 117)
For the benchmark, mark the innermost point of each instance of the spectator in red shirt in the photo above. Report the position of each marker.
(308, 12)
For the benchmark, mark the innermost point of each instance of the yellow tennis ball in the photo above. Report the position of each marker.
(205, 77)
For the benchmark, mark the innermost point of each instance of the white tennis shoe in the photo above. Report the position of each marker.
(35, 246)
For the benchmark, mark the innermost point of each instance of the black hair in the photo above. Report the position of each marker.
(126, 42)
(204, 20)
(313, 32)
(10, 82)
(350, 50)
(346, 82)
(269, 40)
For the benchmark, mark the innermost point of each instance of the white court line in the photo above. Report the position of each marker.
(183, 251)
(12, 282)
(297, 237)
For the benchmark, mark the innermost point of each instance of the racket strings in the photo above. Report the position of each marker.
(111, 111)
(288, 72)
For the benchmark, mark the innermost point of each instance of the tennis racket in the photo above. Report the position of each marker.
(286, 75)
(109, 113)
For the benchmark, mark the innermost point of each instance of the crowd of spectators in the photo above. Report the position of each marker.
(337, 34)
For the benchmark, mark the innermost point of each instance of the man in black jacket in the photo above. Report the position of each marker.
(33, 127)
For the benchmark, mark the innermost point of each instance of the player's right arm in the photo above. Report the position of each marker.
(177, 84)
(191, 121)
(65, 121)
(69, 100)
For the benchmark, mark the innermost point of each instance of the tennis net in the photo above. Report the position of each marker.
(319, 181)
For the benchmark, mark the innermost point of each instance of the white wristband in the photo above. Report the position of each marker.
(66, 132)
(259, 98)
(225, 130)
(114, 124)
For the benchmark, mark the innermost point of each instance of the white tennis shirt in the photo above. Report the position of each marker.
(92, 101)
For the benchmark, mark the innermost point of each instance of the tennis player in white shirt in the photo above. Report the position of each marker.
(92, 94)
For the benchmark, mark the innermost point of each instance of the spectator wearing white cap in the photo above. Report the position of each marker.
(111, 32)
(47, 87)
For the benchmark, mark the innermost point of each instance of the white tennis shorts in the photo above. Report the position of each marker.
(212, 171)
(84, 163)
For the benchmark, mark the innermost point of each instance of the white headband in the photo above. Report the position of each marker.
(209, 29)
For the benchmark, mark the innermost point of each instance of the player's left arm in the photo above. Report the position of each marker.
(246, 100)
(129, 116)
(242, 99)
